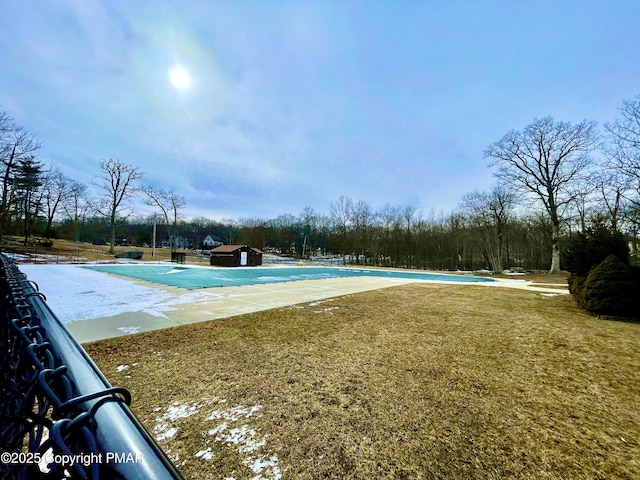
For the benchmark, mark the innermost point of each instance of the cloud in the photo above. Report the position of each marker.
(295, 104)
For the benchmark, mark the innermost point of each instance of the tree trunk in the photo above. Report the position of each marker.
(555, 248)
(112, 247)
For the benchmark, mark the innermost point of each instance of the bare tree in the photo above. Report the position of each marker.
(308, 217)
(544, 160)
(407, 241)
(117, 184)
(170, 203)
(252, 231)
(363, 218)
(389, 218)
(584, 201)
(623, 147)
(230, 228)
(16, 147)
(489, 212)
(282, 233)
(340, 214)
(56, 189)
(75, 205)
(408, 212)
(614, 188)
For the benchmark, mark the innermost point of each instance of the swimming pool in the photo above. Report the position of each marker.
(191, 278)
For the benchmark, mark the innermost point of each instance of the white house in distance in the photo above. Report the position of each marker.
(210, 242)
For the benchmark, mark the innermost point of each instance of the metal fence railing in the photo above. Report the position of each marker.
(59, 416)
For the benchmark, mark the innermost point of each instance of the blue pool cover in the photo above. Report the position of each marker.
(191, 278)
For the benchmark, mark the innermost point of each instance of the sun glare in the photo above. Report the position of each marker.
(179, 77)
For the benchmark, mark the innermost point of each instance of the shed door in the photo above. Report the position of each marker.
(243, 259)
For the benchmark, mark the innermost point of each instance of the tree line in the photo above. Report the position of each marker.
(553, 179)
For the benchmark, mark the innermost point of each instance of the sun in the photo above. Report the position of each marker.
(179, 77)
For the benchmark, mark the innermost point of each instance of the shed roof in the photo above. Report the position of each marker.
(231, 248)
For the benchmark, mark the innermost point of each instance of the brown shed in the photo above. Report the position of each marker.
(236, 256)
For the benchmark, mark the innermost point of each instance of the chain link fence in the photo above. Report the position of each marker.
(59, 416)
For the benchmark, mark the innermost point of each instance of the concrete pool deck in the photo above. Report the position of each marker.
(223, 302)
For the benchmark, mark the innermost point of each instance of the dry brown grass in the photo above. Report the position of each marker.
(418, 381)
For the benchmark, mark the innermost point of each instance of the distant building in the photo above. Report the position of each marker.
(180, 243)
(236, 256)
(211, 242)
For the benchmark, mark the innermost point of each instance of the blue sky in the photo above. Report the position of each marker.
(293, 103)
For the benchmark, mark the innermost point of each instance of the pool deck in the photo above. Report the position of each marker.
(222, 302)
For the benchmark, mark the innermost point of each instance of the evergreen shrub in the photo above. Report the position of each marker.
(611, 288)
(576, 283)
(588, 249)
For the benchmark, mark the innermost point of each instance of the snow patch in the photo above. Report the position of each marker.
(264, 466)
(234, 414)
(218, 429)
(163, 432)
(129, 330)
(243, 436)
(205, 454)
(175, 411)
(328, 310)
(233, 431)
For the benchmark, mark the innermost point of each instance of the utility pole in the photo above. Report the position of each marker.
(153, 250)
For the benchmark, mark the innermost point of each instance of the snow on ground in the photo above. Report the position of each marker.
(76, 293)
(230, 429)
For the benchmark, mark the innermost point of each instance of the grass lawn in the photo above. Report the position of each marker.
(412, 382)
